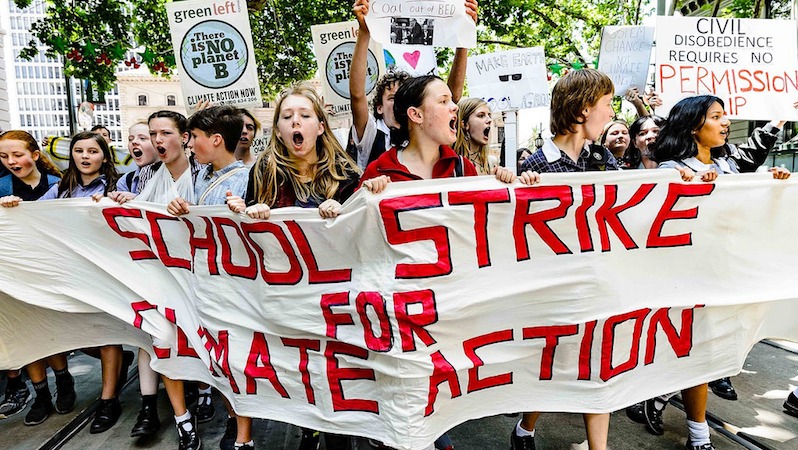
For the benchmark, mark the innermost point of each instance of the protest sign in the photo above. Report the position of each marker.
(214, 52)
(510, 80)
(334, 44)
(624, 56)
(439, 23)
(456, 299)
(416, 60)
(750, 64)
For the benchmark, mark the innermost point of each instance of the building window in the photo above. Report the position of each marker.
(171, 100)
(142, 100)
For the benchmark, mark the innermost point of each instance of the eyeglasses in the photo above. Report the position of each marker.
(515, 77)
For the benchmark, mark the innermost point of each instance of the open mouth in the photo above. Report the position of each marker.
(486, 132)
(137, 153)
(161, 150)
(453, 124)
(298, 139)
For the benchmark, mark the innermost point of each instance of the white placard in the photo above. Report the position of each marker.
(214, 52)
(414, 59)
(510, 80)
(440, 23)
(625, 55)
(334, 44)
(750, 64)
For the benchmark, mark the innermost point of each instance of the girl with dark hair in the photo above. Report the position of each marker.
(91, 169)
(643, 132)
(427, 119)
(694, 138)
(173, 175)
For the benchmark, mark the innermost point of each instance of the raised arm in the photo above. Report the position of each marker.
(357, 70)
(457, 75)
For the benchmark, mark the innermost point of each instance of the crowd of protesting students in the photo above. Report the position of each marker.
(416, 128)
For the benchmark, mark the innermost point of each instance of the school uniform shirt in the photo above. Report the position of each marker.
(211, 192)
(129, 182)
(97, 186)
(11, 185)
(388, 164)
(721, 165)
(375, 141)
(550, 158)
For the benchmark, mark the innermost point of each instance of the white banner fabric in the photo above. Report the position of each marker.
(431, 304)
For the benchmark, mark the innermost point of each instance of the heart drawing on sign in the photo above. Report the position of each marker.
(412, 58)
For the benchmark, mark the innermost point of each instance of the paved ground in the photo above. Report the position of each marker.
(755, 421)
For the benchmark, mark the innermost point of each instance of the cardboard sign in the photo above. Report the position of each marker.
(439, 23)
(750, 64)
(510, 80)
(334, 44)
(214, 52)
(625, 55)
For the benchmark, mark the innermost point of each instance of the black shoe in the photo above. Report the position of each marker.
(64, 394)
(106, 416)
(246, 447)
(310, 440)
(147, 422)
(635, 413)
(521, 442)
(688, 446)
(191, 391)
(230, 432)
(653, 416)
(16, 400)
(205, 409)
(791, 405)
(127, 360)
(40, 411)
(188, 438)
(723, 389)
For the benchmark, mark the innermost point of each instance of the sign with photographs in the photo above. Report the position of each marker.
(439, 23)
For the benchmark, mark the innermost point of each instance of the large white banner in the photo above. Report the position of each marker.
(418, 309)
(510, 80)
(214, 52)
(751, 64)
(334, 44)
(625, 55)
(439, 23)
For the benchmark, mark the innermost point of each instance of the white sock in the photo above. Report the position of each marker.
(699, 433)
(240, 444)
(521, 432)
(184, 418)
